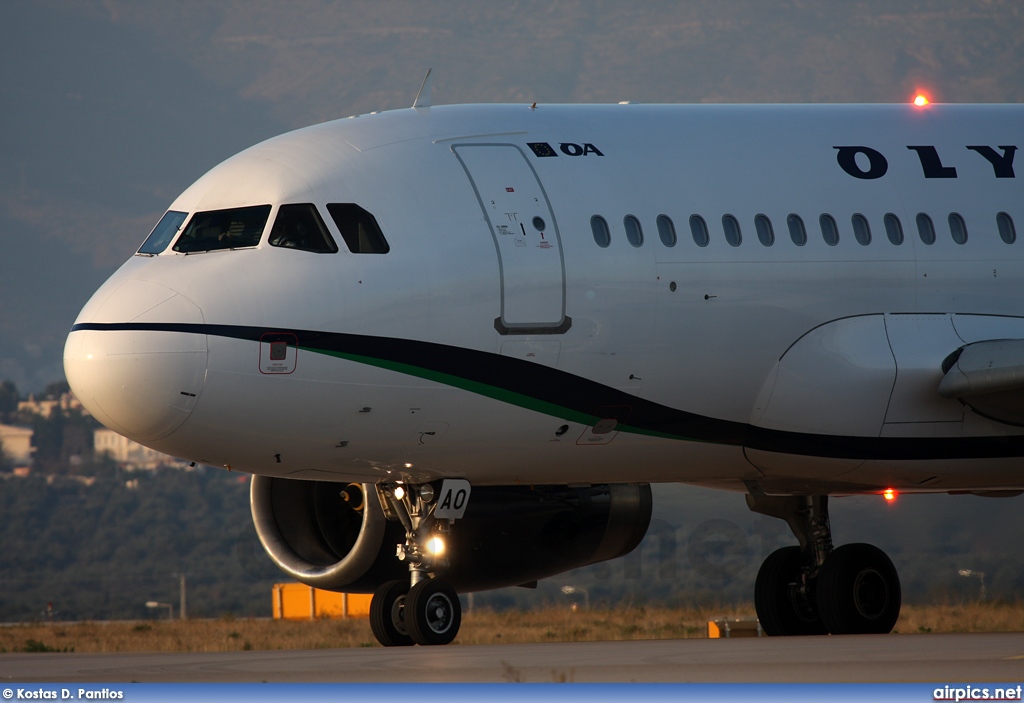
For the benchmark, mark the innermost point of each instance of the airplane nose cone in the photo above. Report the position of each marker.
(134, 362)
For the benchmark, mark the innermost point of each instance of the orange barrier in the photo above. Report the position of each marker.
(297, 601)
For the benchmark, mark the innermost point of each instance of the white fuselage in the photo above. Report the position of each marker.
(490, 346)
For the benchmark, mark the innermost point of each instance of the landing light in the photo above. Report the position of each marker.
(921, 100)
(889, 494)
(399, 493)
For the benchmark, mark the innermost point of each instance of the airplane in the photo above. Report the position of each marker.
(455, 345)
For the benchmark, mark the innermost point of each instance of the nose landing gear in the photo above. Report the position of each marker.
(426, 610)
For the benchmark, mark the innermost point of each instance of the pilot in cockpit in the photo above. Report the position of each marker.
(289, 232)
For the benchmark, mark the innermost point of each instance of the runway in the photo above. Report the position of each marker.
(939, 658)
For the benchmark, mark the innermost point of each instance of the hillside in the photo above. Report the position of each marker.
(101, 550)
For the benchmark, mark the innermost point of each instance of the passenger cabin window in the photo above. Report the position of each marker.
(925, 228)
(602, 237)
(1007, 232)
(861, 229)
(236, 228)
(634, 233)
(893, 228)
(829, 229)
(732, 230)
(797, 231)
(666, 230)
(699, 231)
(358, 228)
(957, 228)
(301, 227)
(765, 233)
(163, 233)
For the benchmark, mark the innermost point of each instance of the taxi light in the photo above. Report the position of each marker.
(435, 545)
(399, 493)
(889, 494)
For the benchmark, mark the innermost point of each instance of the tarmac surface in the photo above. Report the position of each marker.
(938, 658)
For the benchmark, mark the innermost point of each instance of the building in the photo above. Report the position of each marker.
(67, 404)
(129, 454)
(17, 444)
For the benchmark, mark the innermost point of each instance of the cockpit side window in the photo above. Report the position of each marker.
(224, 229)
(301, 227)
(359, 229)
(163, 233)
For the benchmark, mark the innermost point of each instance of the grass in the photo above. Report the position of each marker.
(478, 627)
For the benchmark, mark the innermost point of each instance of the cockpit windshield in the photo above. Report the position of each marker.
(301, 227)
(163, 233)
(359, 229)
(224, 229)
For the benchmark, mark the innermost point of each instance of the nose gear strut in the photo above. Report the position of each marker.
(427, 609)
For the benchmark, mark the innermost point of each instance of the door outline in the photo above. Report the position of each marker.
(500, 323)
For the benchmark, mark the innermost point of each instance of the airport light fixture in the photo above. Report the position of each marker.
(980, 575)
(169, 606)
(571, 590)
(181, 593)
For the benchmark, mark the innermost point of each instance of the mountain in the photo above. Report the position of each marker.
(112, 108)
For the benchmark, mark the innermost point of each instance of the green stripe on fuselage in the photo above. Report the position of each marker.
(484, 389)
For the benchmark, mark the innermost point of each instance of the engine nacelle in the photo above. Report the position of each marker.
(335, 536)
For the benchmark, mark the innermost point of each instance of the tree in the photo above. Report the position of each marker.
(55, 390)
(5, 463)
(48, 439)
(8, 398)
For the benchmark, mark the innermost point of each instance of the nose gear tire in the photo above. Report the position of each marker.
(433, 613)
(388, 612)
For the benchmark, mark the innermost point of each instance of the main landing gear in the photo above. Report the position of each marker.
(814, 589)
(425, 609)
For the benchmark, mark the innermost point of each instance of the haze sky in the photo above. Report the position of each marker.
(112, 108)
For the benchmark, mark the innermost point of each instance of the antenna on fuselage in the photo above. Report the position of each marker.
(423, 97)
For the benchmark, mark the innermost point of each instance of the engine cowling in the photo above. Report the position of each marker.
(335, 536)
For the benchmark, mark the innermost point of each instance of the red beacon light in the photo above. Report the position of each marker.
(889, 494)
